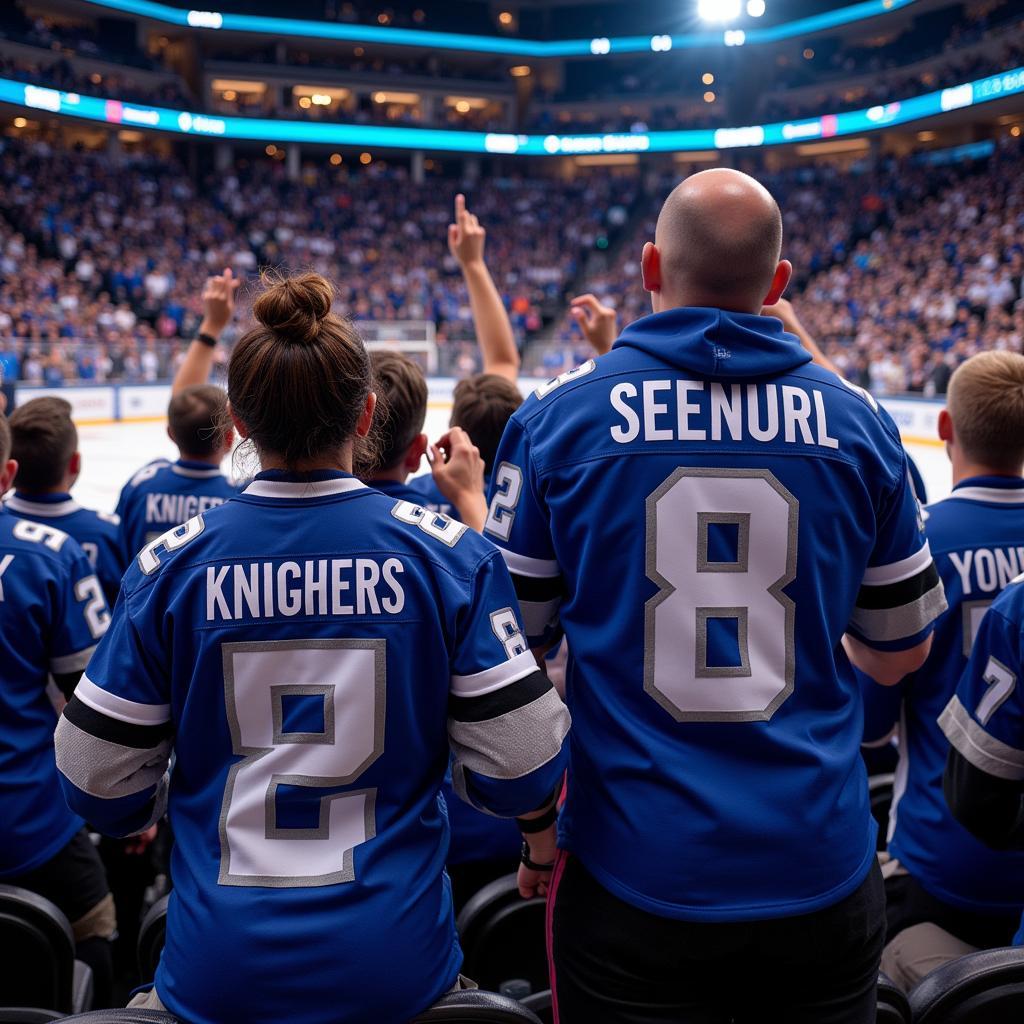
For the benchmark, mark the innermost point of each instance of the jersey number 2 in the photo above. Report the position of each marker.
(338, 688)
(721, 545)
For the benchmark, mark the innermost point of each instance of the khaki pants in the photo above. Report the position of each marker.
(919, 950)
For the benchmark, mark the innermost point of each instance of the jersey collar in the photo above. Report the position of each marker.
(320, 483)
(49, 506)
(1001, 490)
(197, 470)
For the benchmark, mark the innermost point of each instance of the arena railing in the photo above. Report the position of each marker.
(740, 32)
(827, 126)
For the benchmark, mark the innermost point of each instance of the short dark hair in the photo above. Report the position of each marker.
(401, 387)
(198, 420)
(5, 440)
(299, 380)
(482, 405)
(42, 439)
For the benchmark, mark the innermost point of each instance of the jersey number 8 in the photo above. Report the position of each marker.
(721, 545)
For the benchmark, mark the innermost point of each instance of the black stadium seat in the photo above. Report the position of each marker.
(502, 936)
(39, 968)
(127, 1016)
(880, 789)
(982, 988)
(893, 1005)
(476, 1007)
(27, 1015)
(540, 1004)
(152, 933)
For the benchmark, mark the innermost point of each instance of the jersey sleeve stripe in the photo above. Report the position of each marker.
(514, 744)
(895, 595)
(65, 663)
(880, 575)
(538, 617)
(980, 748)
(524, 565)
(537, 588)
(121, 708)
(490, 679)
(126, 734)
(499, 702)
(104, 769)
(885, 624)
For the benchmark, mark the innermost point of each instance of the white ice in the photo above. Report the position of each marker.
(111, 454)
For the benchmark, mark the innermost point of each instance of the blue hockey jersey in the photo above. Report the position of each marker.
(312, 649)
(430, 497)
(977, 539)
(97, 533)
(165, 494)
(52, 612)
(705, 514)
(984, 721)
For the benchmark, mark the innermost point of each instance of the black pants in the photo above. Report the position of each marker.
(907, 903)
(75, 880)
(617, 964)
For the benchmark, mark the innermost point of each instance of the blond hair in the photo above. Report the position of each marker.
(985, 401)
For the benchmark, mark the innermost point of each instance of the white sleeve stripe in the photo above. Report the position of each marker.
(121, 708)
(523, 565)
(496, 678)
(982, 749)
(896, 572)
(76, 662)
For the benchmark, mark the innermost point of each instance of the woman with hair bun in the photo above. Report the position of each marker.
(308, 652)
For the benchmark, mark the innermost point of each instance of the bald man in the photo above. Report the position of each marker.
(722, 529)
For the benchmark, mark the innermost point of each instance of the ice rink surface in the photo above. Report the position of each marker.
(111, 454)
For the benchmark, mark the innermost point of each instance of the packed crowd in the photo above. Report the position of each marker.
(83, 294)
(902, 270)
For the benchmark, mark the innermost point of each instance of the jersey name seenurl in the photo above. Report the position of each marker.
(694, 410)
(314, 587)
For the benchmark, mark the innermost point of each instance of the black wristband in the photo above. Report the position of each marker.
(207, 339)
(528, 826)
(524, 859)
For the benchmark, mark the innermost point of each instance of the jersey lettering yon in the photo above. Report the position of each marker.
(705, 515)
(315, 649)
(52, 612)
(977, 538)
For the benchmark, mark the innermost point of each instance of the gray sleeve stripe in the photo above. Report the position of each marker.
(538, 615)
(983, 750)
(514, 744)
(104, 769)
(882, 624)
(76, 662)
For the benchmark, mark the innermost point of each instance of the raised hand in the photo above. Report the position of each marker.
(597, 321)
(466, 237)
(219, 302)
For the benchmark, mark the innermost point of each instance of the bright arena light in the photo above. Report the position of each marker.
(718, 10)
(601, 45)
(755, 8)
(734, 37)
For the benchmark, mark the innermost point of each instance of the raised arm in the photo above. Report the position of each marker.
(783, 309)
(493, 328)
(218, 309)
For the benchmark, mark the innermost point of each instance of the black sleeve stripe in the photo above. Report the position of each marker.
(896, 595)
(538, 589)
(66, 682)
(126, 734)
(509, 698)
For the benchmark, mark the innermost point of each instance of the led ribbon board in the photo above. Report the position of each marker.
(182, 122)
(390, 36)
